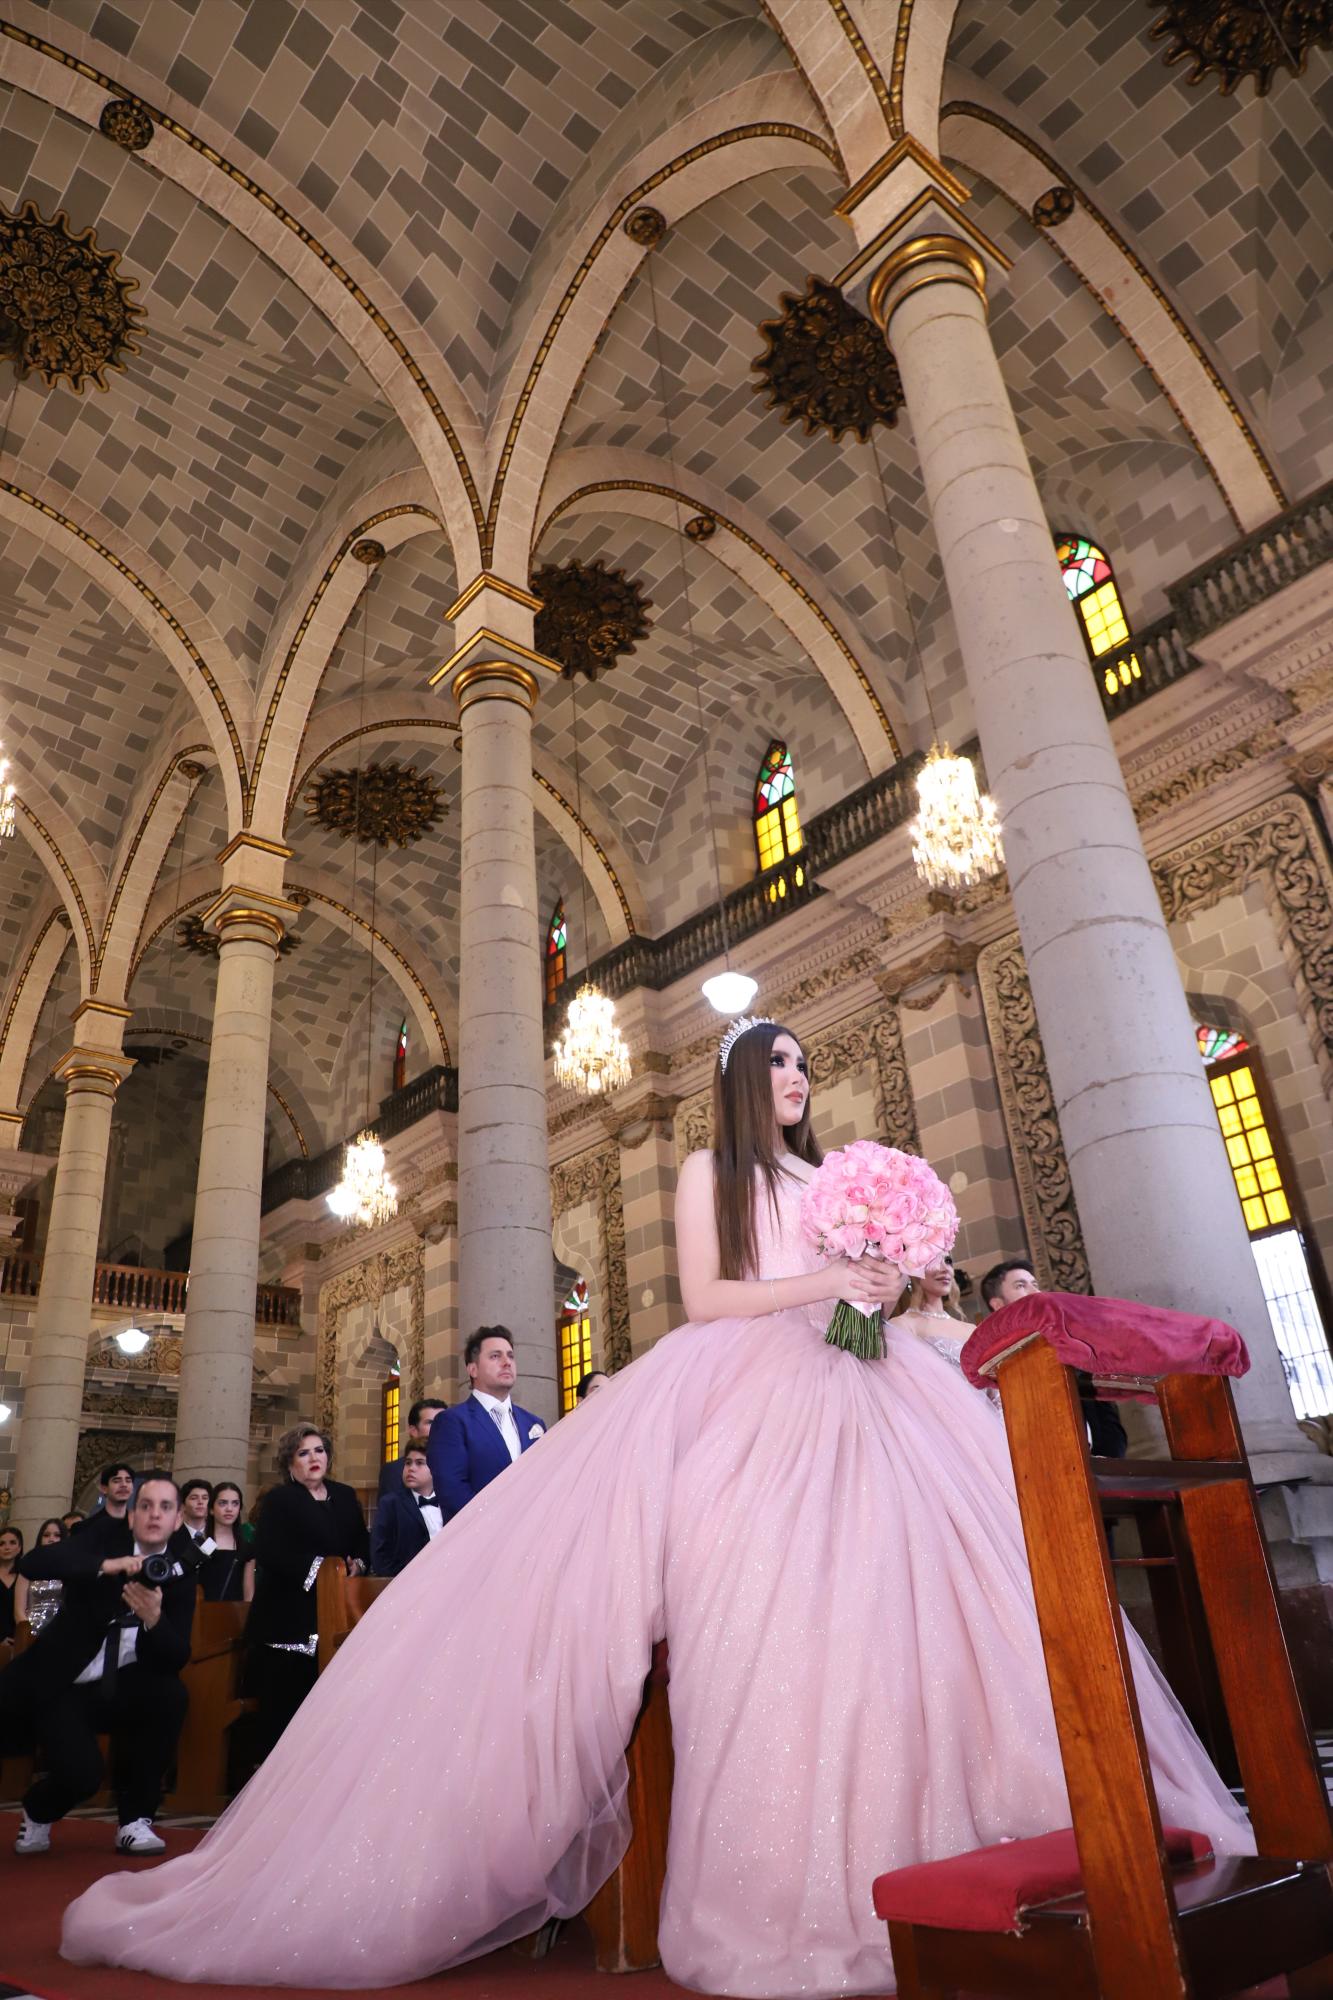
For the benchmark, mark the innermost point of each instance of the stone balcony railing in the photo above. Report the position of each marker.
(1244, 575)
(134, 1288)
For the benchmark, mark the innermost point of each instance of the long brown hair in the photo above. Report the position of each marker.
(747, 1138)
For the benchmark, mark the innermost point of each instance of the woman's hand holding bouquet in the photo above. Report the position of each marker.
(890, 1215)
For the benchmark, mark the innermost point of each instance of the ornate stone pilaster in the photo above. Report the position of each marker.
(504, 1200)
(641, 1121)
(249, 918)
(92, 1072)
(595, 1176)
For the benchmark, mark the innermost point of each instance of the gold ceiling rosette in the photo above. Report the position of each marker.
(826, 364)
(591, 616)
(65, 311)
(1235, 39)
(391, 804)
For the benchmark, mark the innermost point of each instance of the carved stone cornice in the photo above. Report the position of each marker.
(1199, 777)
(629, 1124)
(948, 958)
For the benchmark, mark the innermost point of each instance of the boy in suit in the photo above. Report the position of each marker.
(108, 1663)
(473, 1443)
(407, 1517)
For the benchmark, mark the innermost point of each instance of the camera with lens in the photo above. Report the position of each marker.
(155, 1570)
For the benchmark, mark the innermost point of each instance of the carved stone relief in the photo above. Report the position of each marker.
(595, 1176)
(367, 1284)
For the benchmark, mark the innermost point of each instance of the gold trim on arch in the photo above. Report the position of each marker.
(145, 821)
(737, 135)
(410, 722)
(275, 208)
(964, 108)
(131, 576)
(756, 548)
(906, 148)
(19, 985)
(486, 581)
(316, 599)
(72, 880)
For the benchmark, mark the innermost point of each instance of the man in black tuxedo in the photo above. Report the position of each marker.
(108, 1664)
(1004, 1283)
(419, 1420)
(408, 1519)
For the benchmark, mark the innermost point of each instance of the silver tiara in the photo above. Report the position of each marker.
(741, 1026)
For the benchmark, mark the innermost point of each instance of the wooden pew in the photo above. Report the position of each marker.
(212, 1680)
(341, 1601)
(622, 1916)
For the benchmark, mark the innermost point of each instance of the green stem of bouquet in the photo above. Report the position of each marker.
(858, 1333)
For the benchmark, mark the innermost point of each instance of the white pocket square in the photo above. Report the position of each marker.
(537, 1431)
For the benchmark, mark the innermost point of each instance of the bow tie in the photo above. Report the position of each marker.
(425, 1500)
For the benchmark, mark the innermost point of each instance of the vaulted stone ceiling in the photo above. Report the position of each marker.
(360, 238)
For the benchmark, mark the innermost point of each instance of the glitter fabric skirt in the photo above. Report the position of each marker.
(831, 1548)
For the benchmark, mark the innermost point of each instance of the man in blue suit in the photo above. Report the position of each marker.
(470, 1444)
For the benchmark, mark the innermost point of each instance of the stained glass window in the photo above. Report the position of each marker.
(390, 1417)
(575, 1344)
(777, 819)
(1249, 1145)
(556, 939)
(1092, 588)
(1216, 1044)
(400, 1057)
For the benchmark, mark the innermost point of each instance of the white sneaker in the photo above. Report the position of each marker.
(34, 1836)
(138, 1838)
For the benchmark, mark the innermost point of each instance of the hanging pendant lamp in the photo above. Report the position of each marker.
(590, 1055)
(365, 1195)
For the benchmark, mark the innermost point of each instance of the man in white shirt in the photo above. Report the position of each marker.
(108, 1664)
(471, 1445)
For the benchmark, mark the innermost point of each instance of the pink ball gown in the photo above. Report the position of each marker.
(831, 1548)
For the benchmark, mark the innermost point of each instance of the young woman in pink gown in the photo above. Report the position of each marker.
(831, 1548)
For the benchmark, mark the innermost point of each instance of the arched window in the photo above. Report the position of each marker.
(575, 1343)
(390, 1415)
(1271, 1204)
(1092, 589)
(400, 1057)
(556, 940)
(777, 819)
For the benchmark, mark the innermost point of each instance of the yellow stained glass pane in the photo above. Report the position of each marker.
(1261, 1146)
(1268, 1176)
(1222, 1090)
(1238, 1152)
(392, 1405)
(1243, 1081)
(1250, 1114)
(1229, 1119)
(1278, 1210)
(1104, 619)
(768, 834)
(1247, 1182)
(1255, 1217)
(791, 821)
(575, 1358)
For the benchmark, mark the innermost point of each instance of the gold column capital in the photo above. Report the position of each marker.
(244, 912)
(924, 260)
(101, 1071)
(489, 667)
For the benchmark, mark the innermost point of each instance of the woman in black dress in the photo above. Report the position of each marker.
(306, 1520)
(11, 1548)
(230, 1575)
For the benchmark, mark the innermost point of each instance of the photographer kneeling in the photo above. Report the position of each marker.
(109, 1664)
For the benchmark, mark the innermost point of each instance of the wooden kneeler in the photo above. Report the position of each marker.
(1130, 1925)
(341, 1601)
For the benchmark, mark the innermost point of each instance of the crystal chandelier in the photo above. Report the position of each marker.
(591, 1055)
(365, 1194)
(956, 837)
(8, 810)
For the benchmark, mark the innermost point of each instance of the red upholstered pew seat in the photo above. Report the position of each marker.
(991, 1888)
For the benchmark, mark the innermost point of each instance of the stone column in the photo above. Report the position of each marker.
(642, 1122)
(504, 1191)
(48, 1440)
(1154, 1190)
(217, 1349)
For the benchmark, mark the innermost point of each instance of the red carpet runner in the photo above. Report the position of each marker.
(35, 1890)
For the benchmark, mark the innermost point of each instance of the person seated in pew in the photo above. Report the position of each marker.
(38, 1602)
(307, 1519)
(408, 1519)
(229, 1576)
(108, 1664)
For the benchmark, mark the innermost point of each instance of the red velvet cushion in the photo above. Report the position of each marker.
(1112, 1337)
(989, 1889)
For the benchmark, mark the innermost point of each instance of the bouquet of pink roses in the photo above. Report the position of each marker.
(869, 1200)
